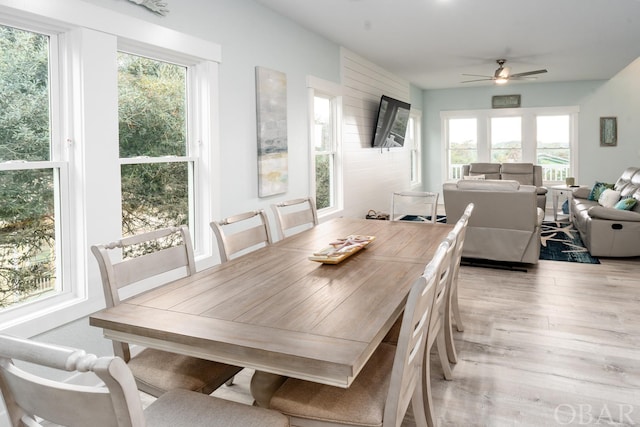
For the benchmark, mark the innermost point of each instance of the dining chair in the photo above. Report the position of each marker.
(33, 400)
(157, 371)
(420, 206)
(241, 232)
(391, 379)
(294, 215)
(452, 309)
(436, 334)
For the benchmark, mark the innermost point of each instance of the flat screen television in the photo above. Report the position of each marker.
(391, 123)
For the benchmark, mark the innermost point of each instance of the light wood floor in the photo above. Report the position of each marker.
(556, 345)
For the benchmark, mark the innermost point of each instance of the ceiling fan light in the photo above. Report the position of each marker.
(501, 81)
(504, 72)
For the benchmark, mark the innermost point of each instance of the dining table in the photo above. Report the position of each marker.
(278, 311)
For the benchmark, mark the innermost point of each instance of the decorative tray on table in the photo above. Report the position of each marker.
(341, 249)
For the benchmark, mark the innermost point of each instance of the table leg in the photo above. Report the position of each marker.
(555, 205)
(264, 385)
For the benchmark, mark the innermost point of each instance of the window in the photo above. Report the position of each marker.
(462, 143)
(543, 136)
(554, 146)
(506, 139)
(156, 172)
(325, 143)
(60, 159)
(413, 140)
(32, 177)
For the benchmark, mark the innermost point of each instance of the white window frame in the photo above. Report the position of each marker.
(415, 147)
(194, 113)
(316, 86)
(59, 165)
(88, 142)
(529, 138)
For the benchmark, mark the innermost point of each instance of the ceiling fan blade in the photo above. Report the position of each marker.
(478, 80)
(523, 78)
(478, 75)
(528, 73)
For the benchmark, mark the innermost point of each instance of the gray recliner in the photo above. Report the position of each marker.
(607, 231)
(524, 173)
(506, 222)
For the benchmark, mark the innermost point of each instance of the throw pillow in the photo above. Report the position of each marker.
(473, 177)
(626, 204)
(609, 198)
(597, 190)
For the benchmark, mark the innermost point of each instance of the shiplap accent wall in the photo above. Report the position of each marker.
(370, 174)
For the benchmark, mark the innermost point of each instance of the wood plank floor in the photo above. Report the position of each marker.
(556, 345)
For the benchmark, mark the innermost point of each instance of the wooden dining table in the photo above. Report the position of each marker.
(275, 310)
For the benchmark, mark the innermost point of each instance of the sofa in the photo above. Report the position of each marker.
(605, 230)
(506, 221)
(524, 173)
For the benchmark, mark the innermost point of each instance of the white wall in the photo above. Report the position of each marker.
(370, 174)
(477, 98)
(618, 97)
(595, 99)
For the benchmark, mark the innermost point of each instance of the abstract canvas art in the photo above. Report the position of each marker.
(271, 105)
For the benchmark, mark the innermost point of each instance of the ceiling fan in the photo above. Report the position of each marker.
(503, 74)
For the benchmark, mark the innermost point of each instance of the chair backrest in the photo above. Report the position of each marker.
(154, 258)
(293, 214)
(27, 395)
(524, 173)
(406, 377)
(421, 206)
(442, 289)
(458, 235)
(487, 170)
(233, 236)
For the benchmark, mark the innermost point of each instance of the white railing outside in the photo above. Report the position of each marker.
(455, 171)
(554, 173)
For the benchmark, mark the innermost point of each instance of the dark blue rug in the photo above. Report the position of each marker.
(560, 241)
(426, 218)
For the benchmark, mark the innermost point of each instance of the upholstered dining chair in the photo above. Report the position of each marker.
(391, 379)
(157, 371)
(32, 400)
(421, 206)
(294, 215)
(241, 232)
(452, 309)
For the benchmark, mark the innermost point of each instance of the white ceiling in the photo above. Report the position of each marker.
(432, 42)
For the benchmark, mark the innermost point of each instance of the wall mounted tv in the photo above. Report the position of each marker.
(391, 123)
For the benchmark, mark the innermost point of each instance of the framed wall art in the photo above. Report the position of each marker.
(271, 106)
(608, 131)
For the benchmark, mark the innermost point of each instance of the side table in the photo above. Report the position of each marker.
(556, 192)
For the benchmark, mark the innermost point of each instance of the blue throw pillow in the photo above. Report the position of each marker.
(597, 190)
(626, 204)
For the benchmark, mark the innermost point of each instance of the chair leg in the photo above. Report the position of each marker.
(448, 336)
(442, 354)
(417, 405)
(426, 390)
(230, 381)
(456, 310)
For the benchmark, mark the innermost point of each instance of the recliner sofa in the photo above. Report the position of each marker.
(505, 224)
(524, 173)
(606, 231)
